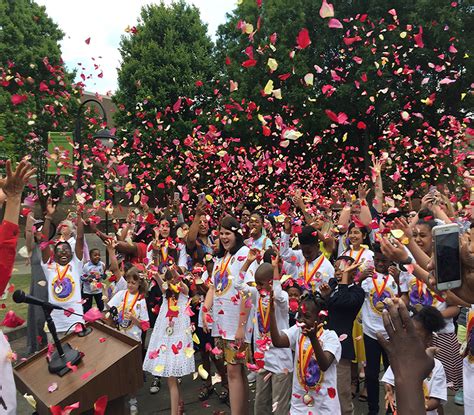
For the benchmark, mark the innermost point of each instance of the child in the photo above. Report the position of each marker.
(378, 286)
(93, 273)
(344, 300)
(171, 339)
(294, 294)
(63, 275)
(278, 363)
(427, 321)
(317, 352)
(131, 312)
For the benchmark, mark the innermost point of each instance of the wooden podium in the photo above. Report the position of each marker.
(111, 367)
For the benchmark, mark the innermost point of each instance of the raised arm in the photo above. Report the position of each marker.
(114, 266)
(299, 203)
(377, 179)
(345, 216)
(80, 234)
(365, 215)
(278, 339)
(29, 238)
(45, 248)
(194, 228)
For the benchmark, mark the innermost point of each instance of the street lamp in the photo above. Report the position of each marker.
(106, 138)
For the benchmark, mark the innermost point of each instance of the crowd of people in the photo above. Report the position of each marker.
(306, 299)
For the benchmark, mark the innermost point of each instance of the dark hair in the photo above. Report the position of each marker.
(345, 258)
(259, 214)
(430, 318)
(376, 248)
(365, 232)
(308, 236)
(58, 244)
(431, 223)
(268, 254)
(233, 225)
(315, 299)
(93, 250)
(291, 283)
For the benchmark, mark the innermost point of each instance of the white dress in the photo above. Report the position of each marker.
(167, 355)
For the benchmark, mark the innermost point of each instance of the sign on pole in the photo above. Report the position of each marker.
(61, 154)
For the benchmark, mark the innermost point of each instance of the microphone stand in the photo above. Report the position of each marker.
(63, 354)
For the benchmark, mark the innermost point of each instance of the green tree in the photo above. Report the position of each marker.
(164, 79)
(399, 94)
(36, 94)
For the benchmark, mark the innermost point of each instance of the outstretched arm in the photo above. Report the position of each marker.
(80, 234)
(45, 248)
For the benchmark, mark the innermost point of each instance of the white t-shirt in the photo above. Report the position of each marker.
(318, 271)
(204, 278)
(419, 293)
(64, 289)
(277, 360)
(434, 386)
(182, 255)
(137, 307)
(371, 317)
(7, 384)
(468, 371)
(326, 401)
(262, 243)
(226, 304)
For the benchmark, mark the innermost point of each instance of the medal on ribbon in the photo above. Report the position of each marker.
(173, 311)
(63, 284)
(125, 323)
(309, 374)
(420, 295)
(379, 294)
(308, 276)
(263, 317)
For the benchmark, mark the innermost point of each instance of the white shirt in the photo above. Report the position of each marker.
(434, 386)
(408, 284)
(363, 254)
(136, 308)
(204, 278)
(323, 404)
(226, 303)
(321, 267)
(371, 317)
(277, 360)
(7, 384)
(182, 255)
(64, 289)
(262, 243)
(468, 370)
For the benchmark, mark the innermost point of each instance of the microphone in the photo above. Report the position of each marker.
(20, 296)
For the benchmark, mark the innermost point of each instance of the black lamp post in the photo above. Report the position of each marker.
(106, 138)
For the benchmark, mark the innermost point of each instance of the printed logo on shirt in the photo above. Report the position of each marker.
(379, 293)
(63, 288)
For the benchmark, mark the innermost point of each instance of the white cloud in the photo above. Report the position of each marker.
(104, 21)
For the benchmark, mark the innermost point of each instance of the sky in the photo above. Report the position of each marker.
(104, 21)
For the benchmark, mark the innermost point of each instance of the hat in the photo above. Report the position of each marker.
(38, 224)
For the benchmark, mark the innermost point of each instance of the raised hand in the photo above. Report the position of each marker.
(402, 223)
(50, 207)
(394, 250)
(15, 181)
(363, 191)
(287, 225)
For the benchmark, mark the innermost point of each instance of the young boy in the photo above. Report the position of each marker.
(93, 273)
(344, 300)
(378, 285)
(63, 274)
(274, 392)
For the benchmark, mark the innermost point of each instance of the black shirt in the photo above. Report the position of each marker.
(344, 303)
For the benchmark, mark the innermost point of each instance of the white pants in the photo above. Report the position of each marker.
(7, 384)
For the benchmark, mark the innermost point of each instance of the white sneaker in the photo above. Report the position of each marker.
(252, 377)
(133, 409)
(155, 385)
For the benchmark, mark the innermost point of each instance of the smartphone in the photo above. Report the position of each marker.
(447, 256)
(176, 196)
(201, 196)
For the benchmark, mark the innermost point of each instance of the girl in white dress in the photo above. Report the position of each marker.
(170, 351)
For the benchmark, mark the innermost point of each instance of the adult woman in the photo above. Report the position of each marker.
(198, 241)
(229, 312)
